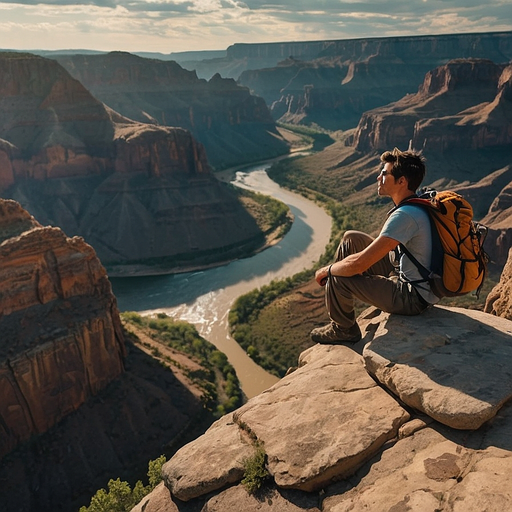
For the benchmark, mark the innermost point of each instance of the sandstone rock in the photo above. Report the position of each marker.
(450, 363)
(237, 498)
(61, 334)
(234, 125)
(159, 500)
(499, 300)
(327, 390)
(432, 470)
(209, 463)
(334, 82)
(430, 118)
(414, 474)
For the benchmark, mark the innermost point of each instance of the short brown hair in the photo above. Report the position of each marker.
(409, 164)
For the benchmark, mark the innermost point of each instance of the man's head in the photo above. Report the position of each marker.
(408, 164)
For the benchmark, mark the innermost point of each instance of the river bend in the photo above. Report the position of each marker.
(203, 298)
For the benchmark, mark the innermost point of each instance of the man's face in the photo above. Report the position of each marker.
(385, 180)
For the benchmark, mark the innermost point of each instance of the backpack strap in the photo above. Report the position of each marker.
(424, 203)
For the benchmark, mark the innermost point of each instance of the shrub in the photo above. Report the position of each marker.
(255, 470)
(120, 497)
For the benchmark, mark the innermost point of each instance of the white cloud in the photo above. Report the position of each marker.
(180, 25)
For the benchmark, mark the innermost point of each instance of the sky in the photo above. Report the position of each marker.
(168, 26)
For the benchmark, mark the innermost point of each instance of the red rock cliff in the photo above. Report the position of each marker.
(137, 192)
(433, 118)
(61, 334)
(234, 125)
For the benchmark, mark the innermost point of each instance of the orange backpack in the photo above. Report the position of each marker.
(459, 262)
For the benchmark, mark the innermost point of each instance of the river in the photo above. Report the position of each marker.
(203, 298)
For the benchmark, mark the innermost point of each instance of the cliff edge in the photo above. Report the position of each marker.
(413, 417)
(61, 334)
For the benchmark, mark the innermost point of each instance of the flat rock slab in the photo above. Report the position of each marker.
(453, 364)
(321, 422)
(236, 499)
(210, 462)
(436, 470)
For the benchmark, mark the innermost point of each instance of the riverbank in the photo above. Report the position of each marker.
(204, 298)
(140, 270)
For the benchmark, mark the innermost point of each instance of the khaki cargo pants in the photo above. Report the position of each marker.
(378, 286)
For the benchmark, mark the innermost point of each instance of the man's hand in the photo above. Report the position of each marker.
(359, 262)
(321, 275)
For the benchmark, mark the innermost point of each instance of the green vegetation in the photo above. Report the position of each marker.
(269, 351)
(271, 215)
(120, 497)
(315, 136)
(218, 379)
(255, 471)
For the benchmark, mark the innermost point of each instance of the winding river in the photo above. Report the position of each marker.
(203, 298)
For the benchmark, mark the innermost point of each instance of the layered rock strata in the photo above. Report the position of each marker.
(452, 109)
(331, 83)
(234, 125)
(331, 434)
(61, 335)
(140, 194)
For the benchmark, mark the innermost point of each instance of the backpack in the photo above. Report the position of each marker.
(459, 262)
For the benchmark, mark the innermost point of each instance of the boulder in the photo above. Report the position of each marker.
(318, 424)
(435, 469)
(450, 363)
(211, 462)
(237, 498)
(158, 500)
(499, 300)
(312, 423)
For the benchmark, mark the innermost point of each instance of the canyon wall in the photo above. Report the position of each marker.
(234, 125)
(141, 194)
(61, 334)
(332, 83)
(81, 402)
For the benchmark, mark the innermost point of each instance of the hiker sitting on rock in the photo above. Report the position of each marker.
(363, 268)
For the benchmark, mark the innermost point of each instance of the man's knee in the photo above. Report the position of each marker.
(355, 236)
(352, 242)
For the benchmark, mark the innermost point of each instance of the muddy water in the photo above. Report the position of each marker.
(204, 298)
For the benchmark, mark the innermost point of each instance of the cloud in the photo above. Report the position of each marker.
(179, 25)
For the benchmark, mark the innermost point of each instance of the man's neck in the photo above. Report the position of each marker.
(402, 196)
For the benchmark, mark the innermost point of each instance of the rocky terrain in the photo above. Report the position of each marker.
(234, 125)
(463, 105)
(142, 195)
(331, 83)
(62, 338)
(413, 417)
(83, 401)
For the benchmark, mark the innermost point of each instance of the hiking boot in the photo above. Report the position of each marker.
(333, 334)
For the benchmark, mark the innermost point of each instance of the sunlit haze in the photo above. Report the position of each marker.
(187, 25)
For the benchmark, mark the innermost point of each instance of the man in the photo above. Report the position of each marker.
(363, 268)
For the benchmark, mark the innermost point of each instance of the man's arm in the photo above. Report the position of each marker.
(357, 263)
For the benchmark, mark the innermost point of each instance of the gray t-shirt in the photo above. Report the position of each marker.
(410, 225)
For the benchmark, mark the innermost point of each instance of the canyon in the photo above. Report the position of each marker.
(116, 149)
(234, 126)
(331, 83)
(142, 195)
